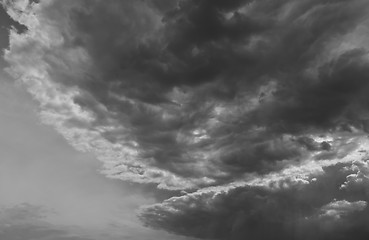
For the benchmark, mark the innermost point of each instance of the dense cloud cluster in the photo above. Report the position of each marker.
(300, 204)
(259, 109)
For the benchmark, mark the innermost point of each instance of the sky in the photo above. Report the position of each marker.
(49, 190)
(184, 119)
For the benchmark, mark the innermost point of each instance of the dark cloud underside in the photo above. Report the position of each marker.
(293, 212)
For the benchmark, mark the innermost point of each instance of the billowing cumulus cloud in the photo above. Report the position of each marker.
(258, 109)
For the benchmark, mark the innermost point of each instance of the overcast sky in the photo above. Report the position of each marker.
(182, 119)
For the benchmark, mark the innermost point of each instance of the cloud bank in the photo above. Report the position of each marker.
(257, 110)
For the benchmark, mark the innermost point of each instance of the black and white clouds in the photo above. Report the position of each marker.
(257, 110)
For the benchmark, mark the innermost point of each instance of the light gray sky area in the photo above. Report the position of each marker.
(50, 191)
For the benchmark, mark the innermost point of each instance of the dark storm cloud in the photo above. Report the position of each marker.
(294, 211)
(201, 92)
(6, 22)
(322, 102)
(255, 96)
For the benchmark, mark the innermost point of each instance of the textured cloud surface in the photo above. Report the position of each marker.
(258, 109)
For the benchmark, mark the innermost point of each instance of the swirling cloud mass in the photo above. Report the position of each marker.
(256, 110)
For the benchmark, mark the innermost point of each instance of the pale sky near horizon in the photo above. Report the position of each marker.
(38, 167)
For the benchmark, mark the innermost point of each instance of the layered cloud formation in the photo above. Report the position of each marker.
(257, 110)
